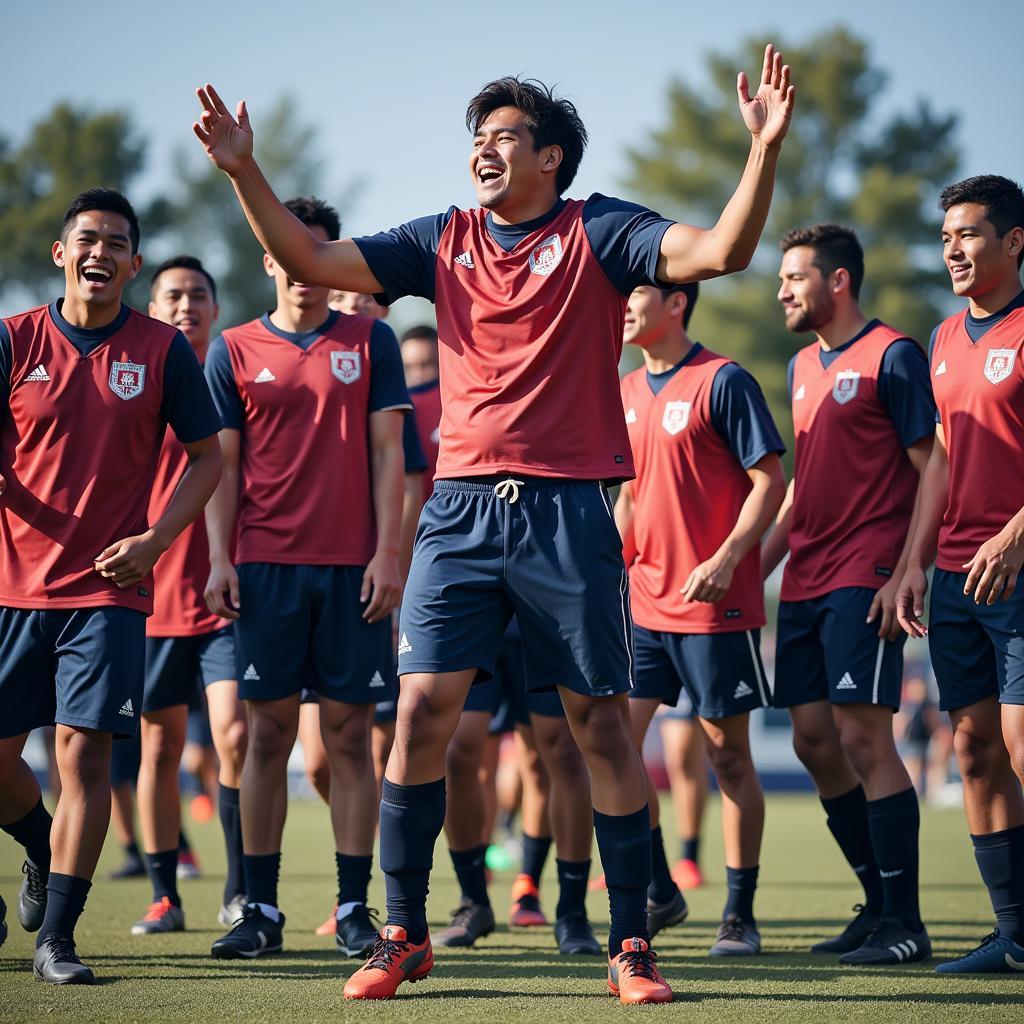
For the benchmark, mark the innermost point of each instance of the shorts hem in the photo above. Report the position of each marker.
(163, 705)
(95, 724)
(437, 667)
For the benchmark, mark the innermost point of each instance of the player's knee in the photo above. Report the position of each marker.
(234, 743)
(84, 761)
(269, 739)
(859, 743)
(731, 764)
(463, 759)
(350, 741)
(975, 753)
(565, 762)
(814, 750)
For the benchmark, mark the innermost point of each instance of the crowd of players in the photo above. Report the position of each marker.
(279, 511)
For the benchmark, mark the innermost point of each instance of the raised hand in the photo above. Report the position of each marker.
(228, 142)
(767, 113)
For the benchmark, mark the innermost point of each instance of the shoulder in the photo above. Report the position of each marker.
(16, 321)
(598, 205)
(154, 330)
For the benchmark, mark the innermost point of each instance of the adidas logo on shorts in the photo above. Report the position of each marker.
(742, 690)
(404, 647)
(126, 708)
(377, 680)
(251, 674)
(264, 377)
(39, 373)
(846, 683)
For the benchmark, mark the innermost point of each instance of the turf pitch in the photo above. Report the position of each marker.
(804, 895)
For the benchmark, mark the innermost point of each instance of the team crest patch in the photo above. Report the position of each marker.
(127, 379)
(347, 366)
(844, 389)
(998, 364)
(676, 416)
(546, 256)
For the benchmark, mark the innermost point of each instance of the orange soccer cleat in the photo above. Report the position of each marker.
(687, 874)
(597, 884)
(526, 912)
(394, 959)
(329, 926)
(634, 977)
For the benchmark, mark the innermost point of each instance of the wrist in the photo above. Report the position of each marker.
(159, 537)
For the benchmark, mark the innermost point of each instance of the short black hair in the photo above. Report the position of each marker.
(184, 263)
(421, 332)
(312, 211)
(834, 246)
(109, 200)
(691, 291)
(553, 121)
(1002, 198)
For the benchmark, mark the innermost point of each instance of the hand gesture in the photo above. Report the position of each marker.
(382, 586)
(768, 112)
(128, 561)
(228, 142)
(221, 591)
(884, 604)
(709, 581)
(992, 572)
(910, 603)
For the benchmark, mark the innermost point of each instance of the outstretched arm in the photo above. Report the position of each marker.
(695, 254)
(228, 143)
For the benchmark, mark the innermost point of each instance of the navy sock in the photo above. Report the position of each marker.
(183, 843)
(848, 823)
(691, 849)
(33, 833)
(471, 871)
(624, 841)
(411, 818)
(261, 872)
(662, 888)
(1000, 857)
(742, 884)
(572, 886)
(353, 877)
(894, 823)
(132, 850)
(535, 855)
(162, 869)
(231, 823)
(65, 901)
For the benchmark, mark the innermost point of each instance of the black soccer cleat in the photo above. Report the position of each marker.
(133, 866)
(3, 921)
(853, 935)
(471, 921)
(665, 915)
(32, 897)
(890, 943)
(575, 937)
(254, 935)
(56, 963)
(355, 934)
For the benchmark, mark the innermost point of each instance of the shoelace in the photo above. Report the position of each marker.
(157, 909)
(34, 881)
(384, 952)
(462, 916)
(507, 487)
(640, 963)
(987, 941)
(62, 949)
(731, 929)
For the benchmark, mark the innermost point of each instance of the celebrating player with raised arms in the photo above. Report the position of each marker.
(530, 292)
(971, 523)
(88, 388)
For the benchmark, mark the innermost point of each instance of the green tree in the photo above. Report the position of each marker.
(841, 162)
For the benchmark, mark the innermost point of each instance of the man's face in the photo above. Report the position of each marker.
(357, 303)
(977, 259)
(97, 258)
(648, 317)
(294, 294)
(182, 298)
(419, 357)
(807, 300)
(504, 165)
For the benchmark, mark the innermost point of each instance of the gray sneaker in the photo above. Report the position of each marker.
(471, 921)
(665, 915)
(231, 913)
(162, 916)
(736, 938)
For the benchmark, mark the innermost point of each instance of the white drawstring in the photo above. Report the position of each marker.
(503, 489)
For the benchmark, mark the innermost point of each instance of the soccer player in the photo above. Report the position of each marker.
(185, 645)
(313, 403)
(422, 370)
(863, 419)
(530, 290)
(971, 523)
(87, 389)
(708, 484)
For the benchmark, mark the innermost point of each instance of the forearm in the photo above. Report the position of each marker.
(755, 516)
(221, 511)
(198, 483)
(776, 544)
(388, 468)
(930, 507)
(624, 512)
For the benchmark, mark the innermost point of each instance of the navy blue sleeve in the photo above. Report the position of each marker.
(790, 371)
(905, 391)
(387, 377)
(626, 239)
(6, 359)
(187, 405)
(402, 259)
(740, 414)
(221, 378)
(415, 460)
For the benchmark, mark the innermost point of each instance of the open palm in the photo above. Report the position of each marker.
(767, 113)
(228, 142)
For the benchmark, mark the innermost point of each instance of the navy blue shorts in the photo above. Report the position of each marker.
(82, 667)
(682, 711)
(827, 650)
(385, 712)
(302, 627)
(721, 672)
(546, 551)
(125, 758)
(977, 649)
(177, 665)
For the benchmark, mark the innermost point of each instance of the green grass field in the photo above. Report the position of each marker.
(805, 894)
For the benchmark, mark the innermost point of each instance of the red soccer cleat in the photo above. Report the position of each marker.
(634, 977)
(394, 959)
(597, 884)
(526, 912)
(687, 875)
(328, 927)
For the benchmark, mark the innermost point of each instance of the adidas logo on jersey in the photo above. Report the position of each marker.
(742, 690)
(377, 680)
(631, 415)
(801, 392)
(39, 373)
(404, 647)
(264, 377)
(846, 683)
(126, 708)
(251, 674)
(465, 260)
(940, 369)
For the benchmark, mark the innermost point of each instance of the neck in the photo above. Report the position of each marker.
(995, 299)
(298, 321)
(519, 212)
(843, 327)
(200, 347)
(82, 314)
(667, 352)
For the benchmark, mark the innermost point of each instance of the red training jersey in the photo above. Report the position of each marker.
(426, 401)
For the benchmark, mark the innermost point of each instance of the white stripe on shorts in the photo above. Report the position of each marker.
(627, 618)
(878, 671)
(757, 670)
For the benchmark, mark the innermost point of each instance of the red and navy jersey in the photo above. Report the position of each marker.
(82, 416)
(426, 400)
(694, 430)
(978, 378)
(856, 409)
(530, 330)
(302, 403)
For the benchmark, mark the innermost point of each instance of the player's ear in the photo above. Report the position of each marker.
(677, 304)
(1014, 241)
(151, 308)
(216, 313)
(840, 280)
(551, 158)
(58, 253)
(268, 264)
(136, 265)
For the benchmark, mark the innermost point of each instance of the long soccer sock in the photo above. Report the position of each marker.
(65, 901)
(1000, 857)
(742, 884)
(894, 823)
(411, 818)
(662, 888)
(261, 874)
(231, 823)
(572, 886)
(183, 844)
(535, 855)
(691, 849)
(847, 817)
(162, 869)
(624, 841)
(471, 871)
(33, 833)
(353, 880)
